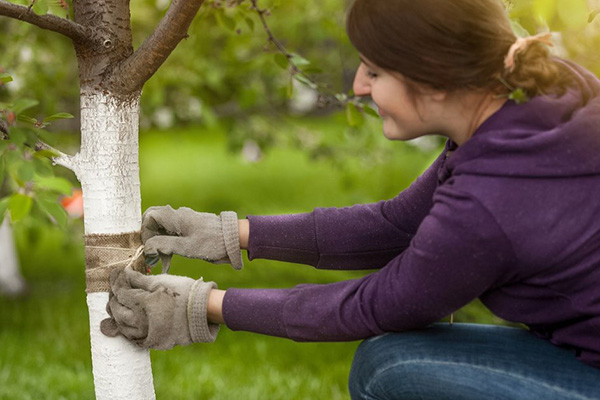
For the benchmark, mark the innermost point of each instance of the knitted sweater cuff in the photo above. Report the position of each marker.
(200, 329)
(231, 235)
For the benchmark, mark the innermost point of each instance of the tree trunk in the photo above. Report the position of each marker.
(108, 169)
(11, 280)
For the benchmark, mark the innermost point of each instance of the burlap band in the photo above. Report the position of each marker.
(103, 253)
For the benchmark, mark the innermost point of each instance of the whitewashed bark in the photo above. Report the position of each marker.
(108, 169)
(12, 282)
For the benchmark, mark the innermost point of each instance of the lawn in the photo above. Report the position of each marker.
(44, 337)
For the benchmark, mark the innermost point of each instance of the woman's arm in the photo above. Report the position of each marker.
(214, 310)
(365, 236)
(458, 253)
(244, 228)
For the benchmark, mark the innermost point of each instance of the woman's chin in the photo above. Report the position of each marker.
(392, 133)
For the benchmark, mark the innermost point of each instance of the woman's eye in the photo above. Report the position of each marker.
(371, 74)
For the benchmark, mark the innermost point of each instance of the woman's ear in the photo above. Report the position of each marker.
(438, 95)
(435, 95)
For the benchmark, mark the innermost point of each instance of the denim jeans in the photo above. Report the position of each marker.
(469, 362)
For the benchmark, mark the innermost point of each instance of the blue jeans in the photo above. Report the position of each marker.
(469, 362)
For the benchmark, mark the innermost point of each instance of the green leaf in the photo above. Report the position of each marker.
(19, 206)
(26, 171)
(42, 166)
(299, 60)
(518, 96)
(30, 138)
(593, 15)
(5, 78)
(56, 9)
(355, 118)
(40, 7)
(54, 183)
(3, 208)
(47, 153)
(18, 136)
(56, 116)
(54, 210)
(281, 60)
(370, 111)
(250, 22)
(225, 21)
(304, 80)
(312, 70)
(25, 118)
(23, 104)
(12, 158)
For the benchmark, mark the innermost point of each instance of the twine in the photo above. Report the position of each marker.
(103, 253)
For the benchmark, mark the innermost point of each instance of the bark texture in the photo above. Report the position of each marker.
(108, 169)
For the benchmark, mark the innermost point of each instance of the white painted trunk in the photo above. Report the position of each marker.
(108, 169)
(11, 280)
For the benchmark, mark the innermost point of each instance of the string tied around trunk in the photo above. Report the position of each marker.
(105, 252)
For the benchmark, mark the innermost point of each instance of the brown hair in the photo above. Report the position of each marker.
(450, 45)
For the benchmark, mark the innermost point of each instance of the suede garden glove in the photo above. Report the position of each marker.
(158, 311)
(210, 237)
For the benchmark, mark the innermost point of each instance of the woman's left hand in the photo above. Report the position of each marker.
(158, 311)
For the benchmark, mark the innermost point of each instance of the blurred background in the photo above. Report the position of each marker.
(224, 126)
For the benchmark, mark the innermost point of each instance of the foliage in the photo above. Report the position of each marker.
(26, 172)
(244, 68)
(42, 64)
(229, 73)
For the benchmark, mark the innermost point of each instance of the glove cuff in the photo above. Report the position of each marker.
(231, 235)
(200, 329)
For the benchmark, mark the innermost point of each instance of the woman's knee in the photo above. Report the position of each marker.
(371, 358)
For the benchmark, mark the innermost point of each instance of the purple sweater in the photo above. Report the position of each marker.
(511, 217)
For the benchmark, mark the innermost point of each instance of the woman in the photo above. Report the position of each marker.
(509, 214)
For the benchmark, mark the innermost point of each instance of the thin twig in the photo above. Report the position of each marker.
(62, 159)
(326, 95)
(28, 9)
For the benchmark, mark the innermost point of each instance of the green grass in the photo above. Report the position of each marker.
(44, 338)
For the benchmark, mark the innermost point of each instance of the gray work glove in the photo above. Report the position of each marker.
(158, 311)
(192, 234)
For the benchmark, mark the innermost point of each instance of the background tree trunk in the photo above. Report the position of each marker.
(12, 282)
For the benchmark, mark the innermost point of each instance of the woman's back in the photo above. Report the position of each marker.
(536, 168)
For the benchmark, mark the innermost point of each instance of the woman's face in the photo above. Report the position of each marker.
(405, 116)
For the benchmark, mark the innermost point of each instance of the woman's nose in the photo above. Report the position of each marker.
(361, 84)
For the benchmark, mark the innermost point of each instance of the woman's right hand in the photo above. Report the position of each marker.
(188, 233)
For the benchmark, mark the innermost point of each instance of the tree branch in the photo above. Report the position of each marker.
(70, 29)
(132, 73)
(61, 159)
